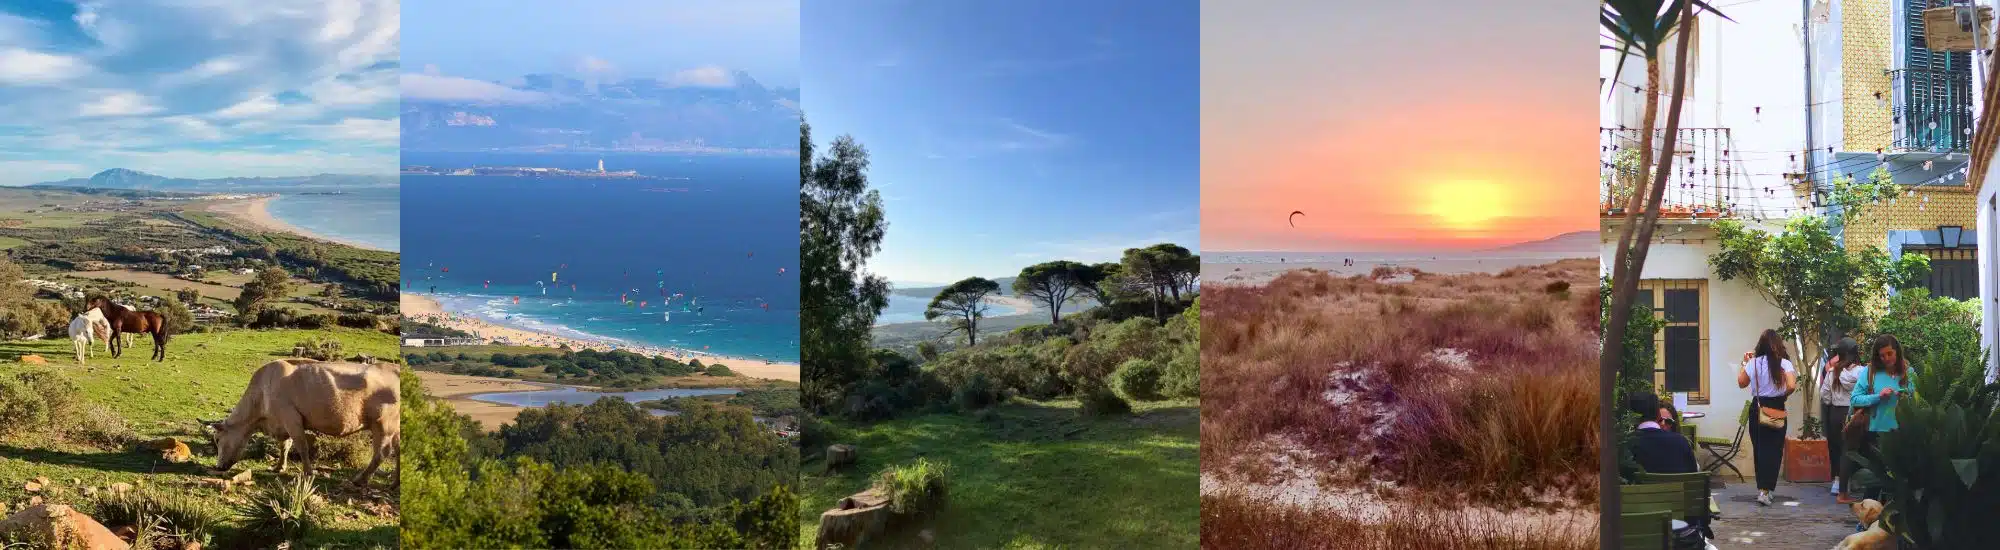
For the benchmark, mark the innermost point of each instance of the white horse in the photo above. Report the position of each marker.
(87, 326)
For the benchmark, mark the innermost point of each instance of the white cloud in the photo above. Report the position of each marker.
(20, 67)
(119, 103)
(259, 105)
(195, 128)
(365, 129)
(703, 77)
(452, 88)
(593, 64)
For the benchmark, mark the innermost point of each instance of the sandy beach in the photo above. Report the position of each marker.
(256, 212)
(427, 310)
(1262, 273)
(458, 389)
(1018, 303)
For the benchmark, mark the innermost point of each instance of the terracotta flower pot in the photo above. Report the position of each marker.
(1806, 461)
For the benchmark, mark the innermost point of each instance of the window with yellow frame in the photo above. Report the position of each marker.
(1680, 362)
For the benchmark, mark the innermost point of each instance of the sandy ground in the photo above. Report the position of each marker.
(256, 212)
(1018, 303)
(428, 310)
(457, 390)
(1263, 273)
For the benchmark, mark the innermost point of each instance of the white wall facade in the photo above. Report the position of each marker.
(1736, 316)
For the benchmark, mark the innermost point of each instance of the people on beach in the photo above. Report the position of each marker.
(1767, 371)
(1880, 385)
(1836, 388)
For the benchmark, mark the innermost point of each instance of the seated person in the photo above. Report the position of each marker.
(1658, 450)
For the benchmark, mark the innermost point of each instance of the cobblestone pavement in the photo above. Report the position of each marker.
(1801, 515)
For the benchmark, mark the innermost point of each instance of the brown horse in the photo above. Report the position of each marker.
(125, 320)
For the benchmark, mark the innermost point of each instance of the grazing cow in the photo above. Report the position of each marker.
(292, 400)
(125, 320)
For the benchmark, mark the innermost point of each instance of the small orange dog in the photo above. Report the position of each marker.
(1869, 512)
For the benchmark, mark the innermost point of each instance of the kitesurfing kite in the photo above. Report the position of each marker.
(1294, 216)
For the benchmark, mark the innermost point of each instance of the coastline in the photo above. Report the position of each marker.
(1259, 274)
(457, 390)
(256, 213)
(428, 310)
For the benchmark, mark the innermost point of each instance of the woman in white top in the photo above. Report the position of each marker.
(1769, 375)
(1836, 386)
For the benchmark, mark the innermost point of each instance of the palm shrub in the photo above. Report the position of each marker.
(1940, 468)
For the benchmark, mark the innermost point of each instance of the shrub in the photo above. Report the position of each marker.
(719, 370)
(815, 434)
(174, 315)
(360, 320)
(978, 392)
(1101, 401)
(177, 515)
(36, 401)
(352, 451)
(1138, 380)
(916, 489)
(1183, 373)
(99, 425)
(281, 512)
(319, 348)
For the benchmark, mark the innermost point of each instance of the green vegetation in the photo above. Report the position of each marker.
(1035, 475)
(617, 369)
(613, 477)
(96, 425)
(1938, 467)
(963, 304)
(761, 402)
(1078, 467)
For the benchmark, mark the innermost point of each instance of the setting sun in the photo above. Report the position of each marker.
(1466, 205)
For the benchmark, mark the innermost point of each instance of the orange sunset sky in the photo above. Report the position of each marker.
(1397, 126)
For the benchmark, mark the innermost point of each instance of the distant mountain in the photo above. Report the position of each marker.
(1583, 242)
(554, 113)
(122, 178)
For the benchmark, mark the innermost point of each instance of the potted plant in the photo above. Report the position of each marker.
(1806, 459)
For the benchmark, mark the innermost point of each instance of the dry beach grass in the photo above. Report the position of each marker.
(1364, 396)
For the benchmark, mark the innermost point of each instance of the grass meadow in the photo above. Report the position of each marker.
(1034, 474)
(121, 406)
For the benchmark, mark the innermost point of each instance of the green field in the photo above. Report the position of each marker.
(11, 242)
(202, 378)
(1036, 475)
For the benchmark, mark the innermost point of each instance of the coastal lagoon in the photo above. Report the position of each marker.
(690, 258)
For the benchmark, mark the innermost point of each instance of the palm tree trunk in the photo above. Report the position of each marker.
(1629, 262)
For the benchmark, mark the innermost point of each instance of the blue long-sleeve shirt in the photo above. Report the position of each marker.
(1867, 393)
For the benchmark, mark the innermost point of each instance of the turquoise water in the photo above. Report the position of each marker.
(367, 215)
(910, 309)
(704, 259)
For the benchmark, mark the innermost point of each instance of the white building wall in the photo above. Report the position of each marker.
(1989, 268)
(1736, 316)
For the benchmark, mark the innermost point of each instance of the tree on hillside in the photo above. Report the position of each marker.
(841, 225)
(14, 291)
(964, 303)
(189, 296)
(1054, 284)
(272, 284)
(1102, 286)
(1160, 271)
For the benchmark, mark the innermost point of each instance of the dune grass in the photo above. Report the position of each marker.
(202, 378)
(1237, 522)
(1476, 388)
(1034, 475)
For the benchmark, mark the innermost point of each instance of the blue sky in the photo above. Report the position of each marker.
(456, 44)
(229, 88)
(1004, 134)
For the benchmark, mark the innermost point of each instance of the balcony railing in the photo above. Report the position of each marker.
(1697, 188)
(1933, 110)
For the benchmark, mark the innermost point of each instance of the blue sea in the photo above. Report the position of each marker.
(910, 309)
(366, 215)
(710, 242)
